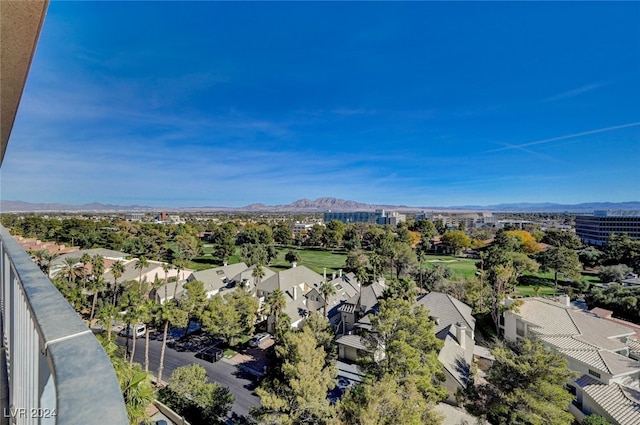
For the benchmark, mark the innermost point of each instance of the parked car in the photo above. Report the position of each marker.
(210, 354)
(259, 339)
(140, 330)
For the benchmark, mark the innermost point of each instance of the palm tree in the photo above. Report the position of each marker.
(258, 274)
(166, 267)
(148, 313)
(49, 257)
(276, 302)
(97, 285)
(70, 269)
(105, 316)
(84, 259)
(133, 317)
(117, 271)
(169, 313)
(179, 265)
(97, 270)
(327, 290)
(141, 265)
(40, 256)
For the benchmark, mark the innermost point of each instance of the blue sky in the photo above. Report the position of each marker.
(421, 104)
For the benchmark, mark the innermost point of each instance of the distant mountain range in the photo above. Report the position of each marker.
(319, 205)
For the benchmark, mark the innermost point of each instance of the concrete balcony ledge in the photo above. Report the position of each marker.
(48, 345)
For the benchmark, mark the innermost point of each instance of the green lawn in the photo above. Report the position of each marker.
(462, 267)
(529, 291)
(314, 259)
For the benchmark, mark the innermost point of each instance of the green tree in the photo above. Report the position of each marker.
(525, 385)
(282, 234)
(590, 256)
(386, 402)
(292, 257)
(191, 395)
(275, 304)
(334, 232)
(621, 249)
(559, 238)
(327, 290)
(560, 260)
(403, 344)
(595, 420)
(299, 394)
(615, 273)
(224, 242)
(351, 238)
(85, 259)
(455, 241)
(117, 269)
(140, 265)
(193, 302)
(222, 318)
(70, 269)
(258, 273)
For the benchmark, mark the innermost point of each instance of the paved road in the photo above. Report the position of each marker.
(240, 383)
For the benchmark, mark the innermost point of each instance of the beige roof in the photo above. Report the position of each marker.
(580, 335)
(289, 278)
(448, 310)
(621, 403)
(217, 277)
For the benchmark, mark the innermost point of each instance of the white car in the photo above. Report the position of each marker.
(141, 329)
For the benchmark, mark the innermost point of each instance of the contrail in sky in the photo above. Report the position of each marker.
(569, 136)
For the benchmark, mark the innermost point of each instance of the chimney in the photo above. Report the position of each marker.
(324, 274)
(460, 335)
(293, 264)
(565, 300)
(295, 293)
(333, 275)
(435, 319)
(340, 273)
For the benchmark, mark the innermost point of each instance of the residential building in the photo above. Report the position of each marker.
(220, 279)
(454, 326)
(598, 350)
(596, 229)
(295, 283)
(110, 256)
(134, 216)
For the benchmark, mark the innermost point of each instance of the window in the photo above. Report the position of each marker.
(594, 373)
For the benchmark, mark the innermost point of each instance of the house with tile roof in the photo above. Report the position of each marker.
(297, 284)
(220, 279)
(599, 350)
(455, 327)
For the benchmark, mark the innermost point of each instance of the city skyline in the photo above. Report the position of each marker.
(419, 104)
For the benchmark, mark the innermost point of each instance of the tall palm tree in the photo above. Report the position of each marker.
(97, 270)
(105, 316)
(141, 265)
(275, 303)
(166, 267)
(258, 273)
(169, 313)
(70, 269)
(84, 259)
(40, 256)
(133, 317)
(327, 290)
(49, 257)
(178, 264)
(97, 286)
(148, 313)
(117, 270)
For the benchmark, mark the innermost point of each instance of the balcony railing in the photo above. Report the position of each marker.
(56, 371)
